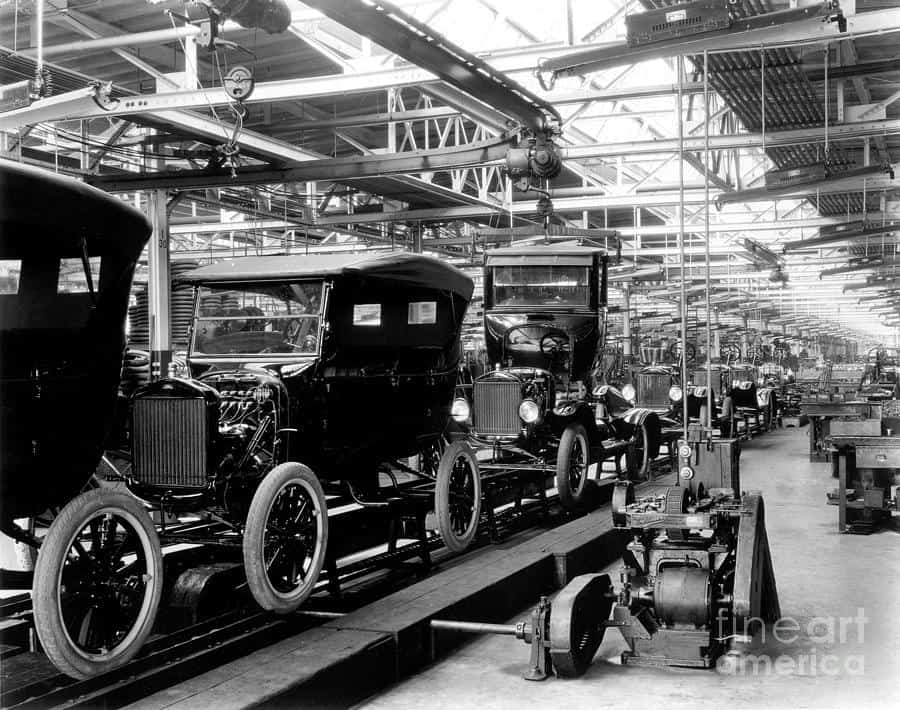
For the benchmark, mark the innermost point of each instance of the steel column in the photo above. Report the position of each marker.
(158, 285)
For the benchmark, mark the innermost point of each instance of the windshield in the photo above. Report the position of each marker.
(542, 286)
(258, 319)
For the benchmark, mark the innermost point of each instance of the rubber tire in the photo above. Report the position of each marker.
(727, 418)
(572, 499)
(453, 541)
(57, 543)
(272, 484)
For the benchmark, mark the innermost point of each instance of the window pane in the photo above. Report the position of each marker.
(542, 286)
(72, 278)
(10, 271)
(367, 314)
(422, 313)
(258, 320)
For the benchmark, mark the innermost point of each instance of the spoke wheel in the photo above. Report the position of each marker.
(97, 583)
(285, 538)
(457, 496)
(573, 462)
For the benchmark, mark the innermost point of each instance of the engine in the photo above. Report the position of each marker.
(214, 436)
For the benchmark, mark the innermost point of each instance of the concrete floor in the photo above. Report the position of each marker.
(821, 575)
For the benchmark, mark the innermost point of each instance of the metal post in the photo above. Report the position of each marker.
(684, 402)
(158, 288)
(626, 323)
(709, 398)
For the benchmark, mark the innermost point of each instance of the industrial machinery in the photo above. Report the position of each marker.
(697, 582)
(540, 409)
(867, 457)
(881, 379)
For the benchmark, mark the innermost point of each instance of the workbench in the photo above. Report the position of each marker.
(820, 413)
(876, 458)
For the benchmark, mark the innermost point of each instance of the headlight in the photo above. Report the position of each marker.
(529, 412)
(628, 392)
(675, 393)
(460, 410)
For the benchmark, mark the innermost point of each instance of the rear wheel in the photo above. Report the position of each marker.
(457, 496)
(285, 538)
(573, 460)
(97, 583)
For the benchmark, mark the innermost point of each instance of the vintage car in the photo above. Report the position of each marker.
(656, 383)
(542, 405)
(305, 370)
(67, 256)
(751, 399)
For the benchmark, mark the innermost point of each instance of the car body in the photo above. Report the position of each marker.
(334, 338)
(64, 289)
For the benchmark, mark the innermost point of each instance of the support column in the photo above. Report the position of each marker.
(627, 345)
(158, 286)
(745, 337)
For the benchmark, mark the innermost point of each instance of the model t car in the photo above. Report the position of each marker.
(542, 407)
(67, 257)
(303, 370)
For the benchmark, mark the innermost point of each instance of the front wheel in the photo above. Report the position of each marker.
(97, 583)
(457, 496)
(285, 538)
(573, 461)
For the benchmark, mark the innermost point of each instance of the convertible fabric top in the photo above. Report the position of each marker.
(41, 210)
(407, 268)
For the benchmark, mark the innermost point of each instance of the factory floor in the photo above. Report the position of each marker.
(842, 591)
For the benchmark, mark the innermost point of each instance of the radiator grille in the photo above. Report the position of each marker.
(169, 441)
(497, 408)
(653, 390)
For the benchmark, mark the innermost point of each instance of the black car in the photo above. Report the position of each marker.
(542, 405)
(67, 257)
(302, 370)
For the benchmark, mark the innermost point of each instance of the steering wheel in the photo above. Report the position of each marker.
(730, 352)
(554, 342)
(675, 351)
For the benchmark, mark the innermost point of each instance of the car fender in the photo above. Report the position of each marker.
(650, 419)
(580, 411)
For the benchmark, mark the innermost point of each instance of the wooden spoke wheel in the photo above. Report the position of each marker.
(457, 496)
(285, 538)
(573, 461)
(97, 583)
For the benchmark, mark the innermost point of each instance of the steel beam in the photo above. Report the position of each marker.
(773, 139)
(867, 179)
(768, 30)
(401, 33)
(848, 235)
(480, 153)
